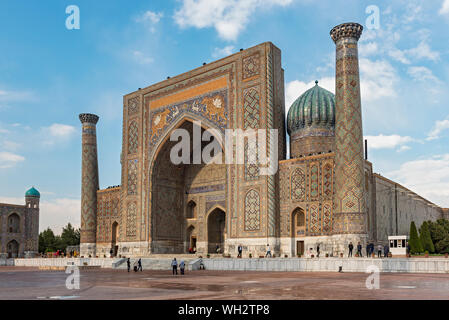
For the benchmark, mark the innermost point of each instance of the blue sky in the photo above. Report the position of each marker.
(49, 74)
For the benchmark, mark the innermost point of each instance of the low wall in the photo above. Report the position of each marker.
(406, 265)
(6, 262)
(62, 262)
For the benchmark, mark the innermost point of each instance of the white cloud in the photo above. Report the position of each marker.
(222, 52)
(53, 213)
(399, 55)
(10, 145)
(440, 126)
(58, 212)
(388, 142)
(57, 133)
(421, 73)
(444, 8)
(8, 159)
(427, 177)
(228, 17)
(141, 58)
(150, 18)
(377, 79)
(423, 51)
(367, 49)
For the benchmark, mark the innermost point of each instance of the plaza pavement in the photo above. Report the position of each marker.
(110, 284)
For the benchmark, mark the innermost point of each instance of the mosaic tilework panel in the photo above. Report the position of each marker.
(327, 181)
(252, 211)
(252, 169)
(251, 109)
(314, 181)
(133, 105)
(251, 66)
(133, 137)
(327, 217)
(132, 176)
(298, 180)
(131, 220)
(211, 106)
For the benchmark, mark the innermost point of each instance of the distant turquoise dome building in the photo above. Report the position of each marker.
(33, 193)
(311, 123)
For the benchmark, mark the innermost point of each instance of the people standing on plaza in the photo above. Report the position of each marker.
(350, 247)
(139, 264)
(268, 251)
(379, 251)
(318, 251)
(128, 262)
(182, 266)
(240, 249)
(111, 252)
(386, 250)
(174, 265)
(368, 250)
(359, 250)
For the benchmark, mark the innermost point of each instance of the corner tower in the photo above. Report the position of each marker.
(349, 200)
(89, 184)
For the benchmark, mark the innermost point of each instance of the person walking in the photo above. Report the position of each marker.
(359, 250)
(379, 251)
(182, 266)
(350, 247)
(128, 262)
(174, 265)
(139, 264)
(318, 251)
(368, 250)
(268, 251)
(386, 250)
(240, 249)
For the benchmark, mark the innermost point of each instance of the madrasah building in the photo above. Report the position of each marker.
(325, 194)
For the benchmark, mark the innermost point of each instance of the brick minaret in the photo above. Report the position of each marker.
(89, 185)
(349, 200)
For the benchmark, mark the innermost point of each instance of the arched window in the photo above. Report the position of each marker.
(298, 222)
(14, 223)
(191, 209)
(300, 219)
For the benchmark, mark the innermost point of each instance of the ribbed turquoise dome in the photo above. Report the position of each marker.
(32, 193)
(315, 108)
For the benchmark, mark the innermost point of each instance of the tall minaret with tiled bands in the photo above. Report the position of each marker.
(89, 185)
(349, 201)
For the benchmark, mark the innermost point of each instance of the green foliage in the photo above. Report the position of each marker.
(414, 241)
(49, 242)
(426, 240)
(439, 233)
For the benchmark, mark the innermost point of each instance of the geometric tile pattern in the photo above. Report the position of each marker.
(252, 211)
(133, 137)
(314, 186)
(298, 185)
(133, 105)
(252, 169)
(131, 220)
(251, 66)
(314, 219)
(132, 176)
(251, 109)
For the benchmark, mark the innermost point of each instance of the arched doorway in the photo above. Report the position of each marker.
(13, 249)
(172, 183)
(14, 223)
(216, 228)
(190, 239)
(114, 238)
(298, 229)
